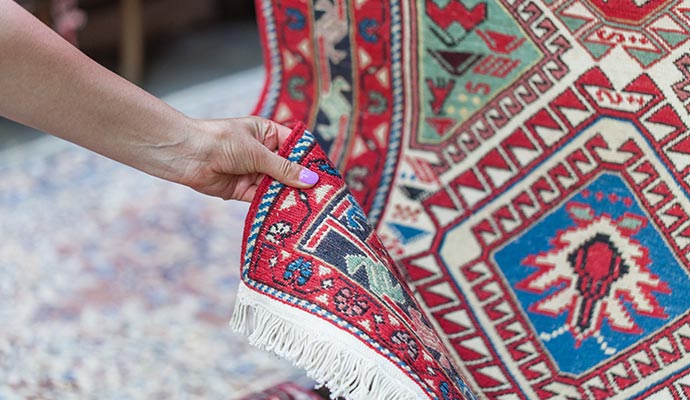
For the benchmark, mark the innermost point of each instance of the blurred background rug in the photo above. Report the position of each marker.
(117, 285)
(286, 391)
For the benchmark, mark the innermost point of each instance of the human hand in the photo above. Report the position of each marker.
(229, 158)
(46, 78)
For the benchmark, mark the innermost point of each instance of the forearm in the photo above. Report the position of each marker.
(48, 84)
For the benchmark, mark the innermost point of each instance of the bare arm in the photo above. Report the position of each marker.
(50, 85)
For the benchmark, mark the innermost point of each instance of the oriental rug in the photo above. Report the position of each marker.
(117, 285)
(319, 289)
(285, 391)
(526, 163)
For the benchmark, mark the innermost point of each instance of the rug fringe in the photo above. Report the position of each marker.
(341, 368)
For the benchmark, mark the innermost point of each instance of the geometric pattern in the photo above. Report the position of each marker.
(606, 146)
(527, 166)
(645, 30)
(352, 321)
(571, 300)
(484, 71)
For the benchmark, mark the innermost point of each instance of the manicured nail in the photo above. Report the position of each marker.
(308, 177)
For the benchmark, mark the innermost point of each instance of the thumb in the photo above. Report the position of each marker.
(287, 172)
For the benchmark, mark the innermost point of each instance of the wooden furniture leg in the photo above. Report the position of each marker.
(132, 41)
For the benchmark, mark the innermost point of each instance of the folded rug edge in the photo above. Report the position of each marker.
(343, 364)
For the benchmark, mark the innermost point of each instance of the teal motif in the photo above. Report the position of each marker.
(381, 282)
(477, 45)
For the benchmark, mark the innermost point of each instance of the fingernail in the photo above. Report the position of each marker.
(308, 177)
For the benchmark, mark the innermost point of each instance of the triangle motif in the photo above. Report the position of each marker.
(315, 250)
(405, 233)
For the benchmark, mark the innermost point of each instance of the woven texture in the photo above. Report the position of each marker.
(320, 290)
(526, 165)
(132, 302)
(115, 285)
(285, 391)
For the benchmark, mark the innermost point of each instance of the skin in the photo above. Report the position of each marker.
(48, 84)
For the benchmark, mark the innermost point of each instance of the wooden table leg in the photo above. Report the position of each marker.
(132, 40)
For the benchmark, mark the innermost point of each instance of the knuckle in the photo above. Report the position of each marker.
(285, 167)
(270, 128)
(263, 126)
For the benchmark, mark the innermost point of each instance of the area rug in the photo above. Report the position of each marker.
(319, 289)
(526, 165)
(117, 285)
(285, 391)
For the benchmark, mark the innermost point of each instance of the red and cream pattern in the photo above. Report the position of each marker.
(645, 30)
(319, 289)
(527, 165)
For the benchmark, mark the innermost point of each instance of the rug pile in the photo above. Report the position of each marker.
(319, 289)
(525, 163)
(285, 391)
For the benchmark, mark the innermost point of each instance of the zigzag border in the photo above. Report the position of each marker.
(553, 127)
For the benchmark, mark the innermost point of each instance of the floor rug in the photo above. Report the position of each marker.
(116, 285)
(285, 391)
(526, 164)
(319, 289)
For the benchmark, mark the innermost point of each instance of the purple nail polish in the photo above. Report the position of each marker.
(308, 177)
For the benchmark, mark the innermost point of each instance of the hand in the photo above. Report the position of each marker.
(229, 157)
(46, 79)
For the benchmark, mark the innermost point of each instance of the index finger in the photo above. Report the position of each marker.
(283, 133)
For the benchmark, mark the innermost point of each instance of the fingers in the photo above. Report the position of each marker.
(271, 133)
(286, 172)
(248, 195)
(277, 167)
(283, 133)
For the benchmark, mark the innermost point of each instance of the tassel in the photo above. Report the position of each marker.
(344, 370)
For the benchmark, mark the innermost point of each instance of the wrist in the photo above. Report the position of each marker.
(188, 150)
(174, 150)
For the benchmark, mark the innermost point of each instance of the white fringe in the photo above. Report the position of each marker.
(347, 367)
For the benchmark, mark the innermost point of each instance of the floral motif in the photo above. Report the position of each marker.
(350, 303)
(406, 342)
(278, 231)
(298, 271)
(327, 283)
